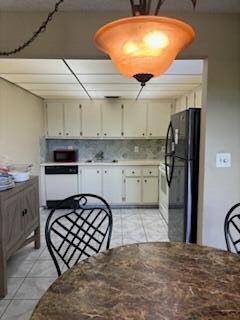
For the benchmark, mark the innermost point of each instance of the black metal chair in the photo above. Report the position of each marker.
(232, 229)
(80, 231)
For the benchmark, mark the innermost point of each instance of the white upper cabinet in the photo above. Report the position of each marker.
(72, 119)
(91, 119)
(54, 112)
(198, 97)
(111, 119)
(158, 119)
(191, 100)
(181, 104)
(134, 119)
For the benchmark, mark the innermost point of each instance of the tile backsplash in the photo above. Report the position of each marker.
(112, 149)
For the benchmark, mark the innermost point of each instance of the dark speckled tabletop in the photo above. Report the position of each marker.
(147, 281)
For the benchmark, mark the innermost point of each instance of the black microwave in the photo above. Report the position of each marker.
(65, 155)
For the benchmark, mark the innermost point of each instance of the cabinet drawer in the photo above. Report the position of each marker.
(133, 172)
(150, 172)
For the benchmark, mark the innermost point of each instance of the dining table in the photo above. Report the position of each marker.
(147, 281)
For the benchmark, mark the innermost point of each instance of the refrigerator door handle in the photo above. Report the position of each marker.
(169, 173)
(170, 131)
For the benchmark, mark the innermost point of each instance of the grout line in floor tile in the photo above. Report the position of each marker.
(140, 214)
(9, 301)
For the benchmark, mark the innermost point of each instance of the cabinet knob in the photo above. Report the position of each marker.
(145, 181)
(60, 133)
(150, 172)
(143, 134)
(138, 181)
(150, 134)
(97, 134)
(105, 171)
(105, 134)
(80, 133)
(133, 172)
(67, 134)
(97, 171)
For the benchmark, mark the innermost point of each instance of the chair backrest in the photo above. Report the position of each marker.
(79, 231)
(232, 229)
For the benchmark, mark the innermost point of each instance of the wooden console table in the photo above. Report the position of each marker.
(19, 218)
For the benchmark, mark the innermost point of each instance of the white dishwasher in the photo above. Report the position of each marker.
(60, 182)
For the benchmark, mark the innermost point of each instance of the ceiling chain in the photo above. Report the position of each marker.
(144, 7)
(41, 29)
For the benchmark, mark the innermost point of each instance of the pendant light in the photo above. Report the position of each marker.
(144, 46)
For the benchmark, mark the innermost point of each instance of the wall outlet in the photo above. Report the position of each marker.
(136, 149)
(223, 160)
(70, 147)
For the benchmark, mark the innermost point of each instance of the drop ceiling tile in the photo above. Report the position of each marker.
(104, 78)
(39, 78)
(52, 86)
(121, 94)
(161, 94)
(112, 87)
(186, 67)
(188, 79)
(60, 94)
(92, 66)
(33, 66)
(169, 87)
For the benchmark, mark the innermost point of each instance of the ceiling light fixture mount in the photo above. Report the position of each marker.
(144, 46)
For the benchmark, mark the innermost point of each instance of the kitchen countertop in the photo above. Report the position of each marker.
(154, 162)
(158, 280)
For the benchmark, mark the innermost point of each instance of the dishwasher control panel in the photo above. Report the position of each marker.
(61, 170)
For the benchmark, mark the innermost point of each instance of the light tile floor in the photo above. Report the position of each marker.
(31, 271)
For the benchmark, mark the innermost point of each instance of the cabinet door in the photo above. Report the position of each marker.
(134, 119)
(181, 104)
(112, 119)
(198, 98)
(191, 100)
(54, 119)
(112, 185)
(13, 231)
(91, 119)
(61, 186)
(133, 190)
(31, 207)
(158, 119)
(92, 181)
(150, 190)
(72, 120)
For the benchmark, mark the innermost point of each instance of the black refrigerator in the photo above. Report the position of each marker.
(182, 170)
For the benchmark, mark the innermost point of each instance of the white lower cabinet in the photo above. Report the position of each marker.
(133, 190)
(117, 185)
(112, 185)
(150, 190)
(91, 181)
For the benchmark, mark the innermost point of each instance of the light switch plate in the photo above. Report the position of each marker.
(223, 160)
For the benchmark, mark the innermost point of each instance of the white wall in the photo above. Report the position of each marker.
(21, 125)
(70, 35)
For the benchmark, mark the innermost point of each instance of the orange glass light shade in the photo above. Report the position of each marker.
(144, 44)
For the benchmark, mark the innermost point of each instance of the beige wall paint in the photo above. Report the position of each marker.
(21, 125)
(70, 36)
